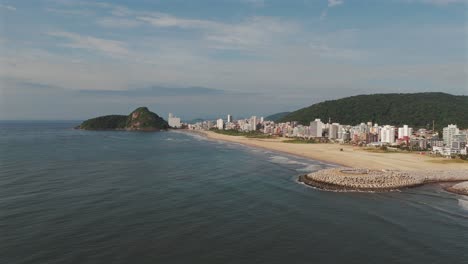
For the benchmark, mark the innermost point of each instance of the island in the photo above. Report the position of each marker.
(141, 119)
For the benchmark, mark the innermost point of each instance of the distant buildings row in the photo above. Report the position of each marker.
(453, 141)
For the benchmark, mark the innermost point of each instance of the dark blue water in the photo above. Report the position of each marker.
(69, 196)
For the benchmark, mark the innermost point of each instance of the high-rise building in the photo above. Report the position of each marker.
(333, 131)
(174, 121)
(229, 118)
(220, 124)
(261, 119)
(448, 133)
(404, 132)
(387, 134)
(316, 128)
(253, 123)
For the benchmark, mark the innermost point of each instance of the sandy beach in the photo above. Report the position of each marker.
(354, 157)
(387, 171)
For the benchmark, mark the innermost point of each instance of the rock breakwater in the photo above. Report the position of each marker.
(346, 179)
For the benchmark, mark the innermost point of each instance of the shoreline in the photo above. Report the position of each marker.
(383, 172)
(352, 157)
(302, 156)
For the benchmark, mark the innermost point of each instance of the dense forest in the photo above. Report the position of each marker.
(277, 116)
(140, 119)
(417, 110)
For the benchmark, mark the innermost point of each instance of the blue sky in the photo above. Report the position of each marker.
(74, 59)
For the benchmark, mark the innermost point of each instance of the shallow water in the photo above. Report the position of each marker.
(70, 196)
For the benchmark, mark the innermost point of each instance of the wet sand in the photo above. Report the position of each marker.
(386, 171)
(353, 157)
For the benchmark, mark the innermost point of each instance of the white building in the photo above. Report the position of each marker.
(220, 124)
(333, 130)
(448, 134)
(316, 128)
(174, 121)
(404, 132)
(253, 123)
(229, 118)
(387, 134)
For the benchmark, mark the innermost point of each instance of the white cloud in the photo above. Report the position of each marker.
(438, 2)
(166, 20)
(8, 7)
(332, 3)
(325, 51)
(249, 33)
(276, 55)
(77, 41)
(112, 22)
(70, 12)
(255, 3)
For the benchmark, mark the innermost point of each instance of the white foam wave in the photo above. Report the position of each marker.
(195, 136)
(284, 160)
(177, 139)
(309, 168)
(463, 204)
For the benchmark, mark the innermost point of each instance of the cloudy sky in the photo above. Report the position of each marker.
(75, 59)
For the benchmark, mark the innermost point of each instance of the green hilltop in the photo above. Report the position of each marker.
(141, 119)
(414, 109)
(277, 116)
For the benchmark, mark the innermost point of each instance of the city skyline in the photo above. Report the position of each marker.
(264, 56)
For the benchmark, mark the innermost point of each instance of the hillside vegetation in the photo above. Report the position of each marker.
(140, 119)
(277, 116)
(417, 110)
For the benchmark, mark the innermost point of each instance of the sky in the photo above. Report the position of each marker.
(77, 59)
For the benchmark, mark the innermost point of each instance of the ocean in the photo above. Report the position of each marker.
(71, 196)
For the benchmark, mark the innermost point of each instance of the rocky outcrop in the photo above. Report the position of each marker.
(460, 188)
(141, 119)
(345, 179)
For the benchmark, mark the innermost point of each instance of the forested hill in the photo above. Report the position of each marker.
(141, 119)
(416, 109)
(277, 116)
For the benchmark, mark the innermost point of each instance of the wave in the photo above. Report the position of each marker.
(177, 139)
(463, 203)
(285, 160)
(310, 168)
(305, 167)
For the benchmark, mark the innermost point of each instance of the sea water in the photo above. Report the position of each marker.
(72, 196)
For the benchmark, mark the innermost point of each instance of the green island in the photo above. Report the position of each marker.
(141, 119)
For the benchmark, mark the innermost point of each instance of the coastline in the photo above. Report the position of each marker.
(417, 169)
(352, 157)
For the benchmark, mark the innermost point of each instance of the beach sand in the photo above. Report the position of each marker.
(412, 169)
(354, 157)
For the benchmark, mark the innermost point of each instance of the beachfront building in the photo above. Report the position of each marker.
(220, 124)
(253, 123)
(448, 133)
(316, 128)
(333, 130)
(229, 118)
(404, 132)
(387, 134)
(174, 121)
